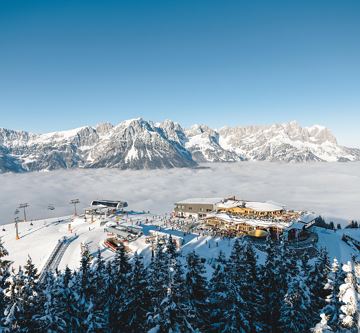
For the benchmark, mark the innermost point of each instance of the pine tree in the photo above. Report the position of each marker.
(242, 311)
(332, 309)
(94, 320)
(68, 295)
(251, 289)
(312, 300)
(15, 319)
(275, 273)
(174, 308)
(95, 305)
(83, 286)
(322, 326)
(297, 311)
(348, 295)
(120, 271)
(218, 294)
(51, 318)
(196, 290)
(31, 301)
(318, 276)
(100, 281)
(4, 275)
(158, 282)
(139, 297)
(294, 309)
(171, 252)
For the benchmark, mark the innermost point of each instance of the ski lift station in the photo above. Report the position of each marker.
(104, 208)
(111, 204)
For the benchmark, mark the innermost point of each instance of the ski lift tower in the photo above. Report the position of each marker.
(16, 228)
(24, 206)
(75, 202)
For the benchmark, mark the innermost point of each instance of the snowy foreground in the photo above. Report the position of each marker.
(278, 290)
(329, 189)
(39, 240)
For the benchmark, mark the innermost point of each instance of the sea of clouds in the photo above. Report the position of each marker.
(330, 189)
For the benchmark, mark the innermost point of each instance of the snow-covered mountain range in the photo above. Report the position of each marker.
(138, 144)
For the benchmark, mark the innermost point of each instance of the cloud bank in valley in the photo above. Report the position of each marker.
(331, 189)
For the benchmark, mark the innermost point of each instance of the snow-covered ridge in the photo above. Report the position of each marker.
(138, 144)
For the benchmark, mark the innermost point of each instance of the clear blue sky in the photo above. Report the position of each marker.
(64, 64)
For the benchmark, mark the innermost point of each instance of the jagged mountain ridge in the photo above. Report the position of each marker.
(139, 144)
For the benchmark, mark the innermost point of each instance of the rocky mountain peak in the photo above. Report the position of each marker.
(137, 144)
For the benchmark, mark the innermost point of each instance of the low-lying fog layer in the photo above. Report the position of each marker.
(331, 189)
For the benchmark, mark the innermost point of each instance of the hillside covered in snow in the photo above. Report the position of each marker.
(141, 144)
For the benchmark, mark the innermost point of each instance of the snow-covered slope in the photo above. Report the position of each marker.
(139, 144)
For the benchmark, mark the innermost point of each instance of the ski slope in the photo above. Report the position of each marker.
(40, 239)
(336, 247)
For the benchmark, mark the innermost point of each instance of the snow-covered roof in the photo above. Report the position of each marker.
(230, 204)
(95, 207)
(263, 206)
(268, 206)
(307, 218)
(297, 225)
(266, 223)
(199, 201)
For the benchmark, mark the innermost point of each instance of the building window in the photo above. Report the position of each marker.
(190, 208)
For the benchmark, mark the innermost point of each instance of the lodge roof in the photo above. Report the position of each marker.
(200, 201)
(263, 206)
(267, 206)
(251, 221)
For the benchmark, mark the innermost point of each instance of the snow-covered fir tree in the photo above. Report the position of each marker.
(175, 294)
(235, 310)
(274, 285)
(4, 275)
(251, 289)
(349, 297)
(296, 305)
(120, 274)
(218, 293)
(139, 290)
(158, 282)
(196, 286)
(51, 317)
(99, 297)
(67, 299)
(332, 308)
(175, 307)
(318, 277)
(23, 300)
(322, 326)
(15, 319)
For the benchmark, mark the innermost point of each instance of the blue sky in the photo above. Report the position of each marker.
(64, 64)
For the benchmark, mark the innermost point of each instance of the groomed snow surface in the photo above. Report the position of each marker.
(39, 240)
